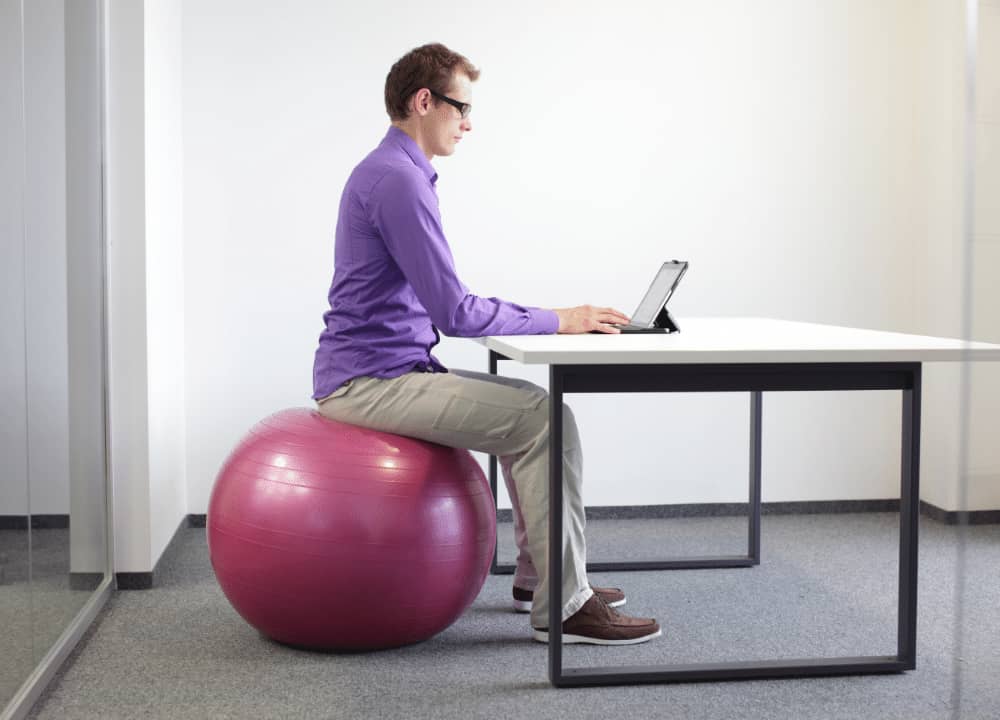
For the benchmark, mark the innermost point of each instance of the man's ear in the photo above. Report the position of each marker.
(421, 99)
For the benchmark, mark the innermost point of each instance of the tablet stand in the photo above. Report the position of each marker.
(666, 321)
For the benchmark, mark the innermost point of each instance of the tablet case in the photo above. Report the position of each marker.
(664, 323)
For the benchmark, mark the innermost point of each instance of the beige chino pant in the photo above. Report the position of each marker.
(503, 416)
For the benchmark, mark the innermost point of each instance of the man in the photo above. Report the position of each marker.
(395, 286)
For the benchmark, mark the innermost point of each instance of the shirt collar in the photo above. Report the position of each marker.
(410, 147)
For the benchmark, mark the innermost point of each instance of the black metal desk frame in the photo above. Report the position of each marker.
(752, 556)
(756, 379)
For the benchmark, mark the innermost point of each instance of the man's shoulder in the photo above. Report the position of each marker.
(385, 170)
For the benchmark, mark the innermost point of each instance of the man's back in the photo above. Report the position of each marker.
(395, 282)
(375, 324)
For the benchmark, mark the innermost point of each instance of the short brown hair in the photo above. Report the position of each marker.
(429, 66)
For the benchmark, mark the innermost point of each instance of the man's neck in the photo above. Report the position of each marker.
(412, 130)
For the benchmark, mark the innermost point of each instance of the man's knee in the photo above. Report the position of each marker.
(528, 385)
(568, 418)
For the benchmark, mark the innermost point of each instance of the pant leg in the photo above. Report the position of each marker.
(477, 413)
(525, 573)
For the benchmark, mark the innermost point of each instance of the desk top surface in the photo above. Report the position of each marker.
(740, 340)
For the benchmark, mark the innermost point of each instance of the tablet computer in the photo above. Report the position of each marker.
(652, 315)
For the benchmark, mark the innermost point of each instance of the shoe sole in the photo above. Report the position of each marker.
(568, 639)
(524, 606)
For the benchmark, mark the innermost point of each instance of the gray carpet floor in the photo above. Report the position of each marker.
(33, 613)
(826, 586)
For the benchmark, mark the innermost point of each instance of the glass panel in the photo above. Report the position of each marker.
(15, 590)
(63, 312)
(88, 527)
(975, 665)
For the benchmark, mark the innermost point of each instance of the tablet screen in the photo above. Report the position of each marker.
(658, 293)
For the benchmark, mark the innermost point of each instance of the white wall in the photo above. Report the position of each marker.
(53, 425)
(941, 116)
(814, 143)
(983, 472)
(145, 217)
(88, 461)
(165, 295)
(773, 145)
(13, 405)
(128, 404)
(34, 351)
(45, 259)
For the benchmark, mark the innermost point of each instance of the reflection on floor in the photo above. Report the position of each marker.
(38, 600)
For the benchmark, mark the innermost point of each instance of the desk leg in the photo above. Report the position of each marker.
(495, 567)
(909, 516)
(555, 523)
(753, 511)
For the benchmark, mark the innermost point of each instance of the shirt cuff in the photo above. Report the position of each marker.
(544, 322)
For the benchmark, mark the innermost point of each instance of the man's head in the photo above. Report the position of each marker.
(421, 91)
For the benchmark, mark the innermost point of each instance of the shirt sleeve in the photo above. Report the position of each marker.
(404, 209)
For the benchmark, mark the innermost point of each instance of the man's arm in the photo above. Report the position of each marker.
(404, 209)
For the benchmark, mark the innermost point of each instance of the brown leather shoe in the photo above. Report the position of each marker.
(597, 624)
(614, 597)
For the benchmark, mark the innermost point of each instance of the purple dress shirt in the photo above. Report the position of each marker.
(394, 281)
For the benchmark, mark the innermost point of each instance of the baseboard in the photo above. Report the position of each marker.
(807, 507)
(38, 522)
(133, 581)
(958, 517)
(85, 580)
(147, 580)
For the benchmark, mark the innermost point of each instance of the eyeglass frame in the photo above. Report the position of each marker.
(464, 109)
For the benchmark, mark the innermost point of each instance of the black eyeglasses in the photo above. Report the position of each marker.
(463, 108)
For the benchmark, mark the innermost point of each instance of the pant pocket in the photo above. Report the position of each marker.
(477, 417)
(339, 392)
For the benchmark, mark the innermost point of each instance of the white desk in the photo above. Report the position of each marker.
(754, 355)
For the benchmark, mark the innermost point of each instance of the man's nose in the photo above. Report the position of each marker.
(467, 124)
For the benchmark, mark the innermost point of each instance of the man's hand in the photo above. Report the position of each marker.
(585, 318)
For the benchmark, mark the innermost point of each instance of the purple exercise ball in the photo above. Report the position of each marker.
(330, 536)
